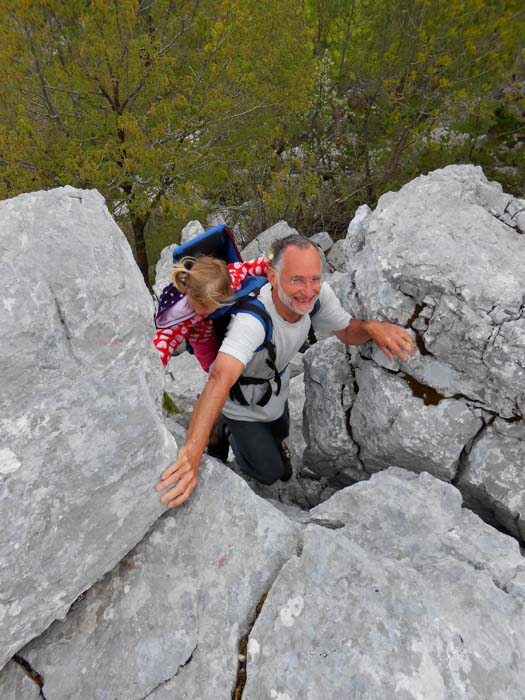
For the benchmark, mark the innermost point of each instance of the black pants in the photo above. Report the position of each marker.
(256, 446)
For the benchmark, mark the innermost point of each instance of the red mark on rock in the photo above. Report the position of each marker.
(222, 562)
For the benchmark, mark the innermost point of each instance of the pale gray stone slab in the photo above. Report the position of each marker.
(184, 382)
(191, 231)
(81, 434)
(443, 255)
(494, 474)
(163, 270)
(336, 258)
(394, 427)
(329, 382)
(15, 684)
(424, 519)
(262, 244)
(398, 603)
(168, 619)
(323, 240)
(340, 284)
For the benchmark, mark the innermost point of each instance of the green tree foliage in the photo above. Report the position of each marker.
(408, 85)
(152, 102)
(267, 109)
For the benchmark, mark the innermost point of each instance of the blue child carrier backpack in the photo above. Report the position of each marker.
(219, 242)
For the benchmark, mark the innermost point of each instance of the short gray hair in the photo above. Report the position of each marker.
(295, 239)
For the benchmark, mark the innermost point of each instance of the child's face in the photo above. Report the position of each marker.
(203, 309)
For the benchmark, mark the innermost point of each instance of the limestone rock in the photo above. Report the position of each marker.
(329, 383)
(392, 426)
(402, 594)
(81, 434)
(323, 240)
(168, 619)
(336, 257)
(340, 284)
(494, 474)
(163, 270)
(263, 243)
(16, 684)
(190, 231)
(445, 255)
(184, 382)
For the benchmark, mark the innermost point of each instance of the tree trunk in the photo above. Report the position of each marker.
(138, 225)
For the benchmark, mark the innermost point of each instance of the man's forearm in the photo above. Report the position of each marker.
(392, 339)
(356, 333)
(205, 413)
(180, 478)
(224, 374)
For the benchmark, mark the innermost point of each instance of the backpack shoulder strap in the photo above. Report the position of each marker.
(312, 338)
(316, 308)
(253, 306)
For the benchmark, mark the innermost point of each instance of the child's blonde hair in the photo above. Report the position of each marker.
(203, 279)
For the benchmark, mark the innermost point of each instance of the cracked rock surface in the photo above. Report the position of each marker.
(494, 474)
(444, 257)
(412, 598)
(15, 683)
(330, 386)
(81, 434)
(262, 244)
(441, 254)
(388, 589)
(394, 427)
(167, 620)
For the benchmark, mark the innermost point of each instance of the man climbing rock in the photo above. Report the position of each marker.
(248, 390)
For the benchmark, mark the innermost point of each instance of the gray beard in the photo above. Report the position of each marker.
(288, 302)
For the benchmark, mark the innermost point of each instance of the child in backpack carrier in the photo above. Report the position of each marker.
(203, 285)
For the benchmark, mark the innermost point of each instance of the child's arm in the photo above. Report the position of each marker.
(239, 271)
(167, 340)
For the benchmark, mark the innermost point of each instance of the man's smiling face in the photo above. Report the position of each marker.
(297, 282)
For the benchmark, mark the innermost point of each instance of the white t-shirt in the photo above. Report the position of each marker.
(246, 333)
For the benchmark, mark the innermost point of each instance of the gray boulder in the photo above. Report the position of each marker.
(442, 256)
(16, 683)
(168, 620)
(336, 257)
(400, 594)
(380, 419)
(190, 231)
(391, 425)
(340, 284)
(184, 382)
(82, 440)
(263, 243)
(330, 386)
(493, 477)
(322, 240)
(445, 257)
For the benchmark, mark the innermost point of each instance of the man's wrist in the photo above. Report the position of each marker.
(194, 450)
(368, 327)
